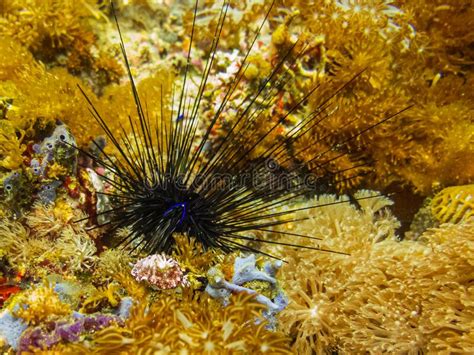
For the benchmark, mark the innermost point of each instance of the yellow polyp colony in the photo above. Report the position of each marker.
(384, 296)
(39, 305)
(40, 96)
(404, 61)
(11, 147)
(366, 290)
(190, 325)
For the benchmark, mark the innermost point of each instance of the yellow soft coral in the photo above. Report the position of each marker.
(453, 204)
(402, 54)
(54, 243)
(193, 324)
(50, 29)
(107, 295)
(309, 318)
(40, 304)
(192, 257)
(11, 147)
(387, 295)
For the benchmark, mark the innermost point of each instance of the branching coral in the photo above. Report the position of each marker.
(246, 274)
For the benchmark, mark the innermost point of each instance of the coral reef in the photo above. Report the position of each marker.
(66, 288)
(389, 49)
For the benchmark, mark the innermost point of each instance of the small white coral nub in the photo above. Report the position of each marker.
(159, 271)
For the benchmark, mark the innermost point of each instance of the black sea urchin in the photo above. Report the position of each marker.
(165, 182)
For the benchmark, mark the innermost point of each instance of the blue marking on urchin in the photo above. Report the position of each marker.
(184, 211)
